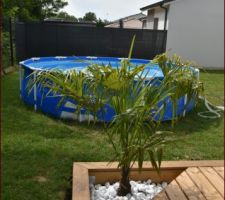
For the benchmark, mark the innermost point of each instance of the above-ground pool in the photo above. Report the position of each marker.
(49, 105)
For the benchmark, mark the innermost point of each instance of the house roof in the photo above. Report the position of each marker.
(155, 4)
(131, 17)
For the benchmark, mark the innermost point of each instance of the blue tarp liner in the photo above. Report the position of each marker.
(49, 105)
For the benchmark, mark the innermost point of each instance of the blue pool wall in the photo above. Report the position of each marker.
(50, 105)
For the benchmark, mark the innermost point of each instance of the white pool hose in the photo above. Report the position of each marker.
(213, 110)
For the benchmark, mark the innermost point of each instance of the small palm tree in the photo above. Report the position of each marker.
(134, 132)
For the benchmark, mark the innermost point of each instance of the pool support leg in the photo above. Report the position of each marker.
(20, 81)
(35, 93)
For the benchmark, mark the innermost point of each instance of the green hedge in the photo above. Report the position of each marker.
(6, 59)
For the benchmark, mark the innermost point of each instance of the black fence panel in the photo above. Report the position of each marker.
(52, 39)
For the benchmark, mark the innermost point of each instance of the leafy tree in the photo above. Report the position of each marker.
(90, 16)
(66, 16)
(32, 10)
(101, 23)
(80, 19)
(5, 49)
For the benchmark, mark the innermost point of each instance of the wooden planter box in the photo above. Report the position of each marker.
(102, 172)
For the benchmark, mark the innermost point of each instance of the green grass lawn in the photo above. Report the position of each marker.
(38, 151)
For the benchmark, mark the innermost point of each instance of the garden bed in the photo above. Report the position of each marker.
(102, 172)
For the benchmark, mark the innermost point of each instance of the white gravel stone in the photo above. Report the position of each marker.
(140, 191)
(97, 186)
(116, 185)
(140, 196)
(112, 191)
(107, 184)
(164, 184)
(128, 196)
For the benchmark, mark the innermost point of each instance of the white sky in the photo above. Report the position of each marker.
(106, 9)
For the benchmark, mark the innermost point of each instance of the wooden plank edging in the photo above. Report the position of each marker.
(80, 183)
(99, 166)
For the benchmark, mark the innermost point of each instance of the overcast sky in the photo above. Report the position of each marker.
(106, 9)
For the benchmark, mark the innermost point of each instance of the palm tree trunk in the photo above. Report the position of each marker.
(125, 186)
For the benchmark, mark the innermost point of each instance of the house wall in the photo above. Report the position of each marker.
(114, 25)
(150, 19)
(135, 23)
(196, 31)
(158, 13)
